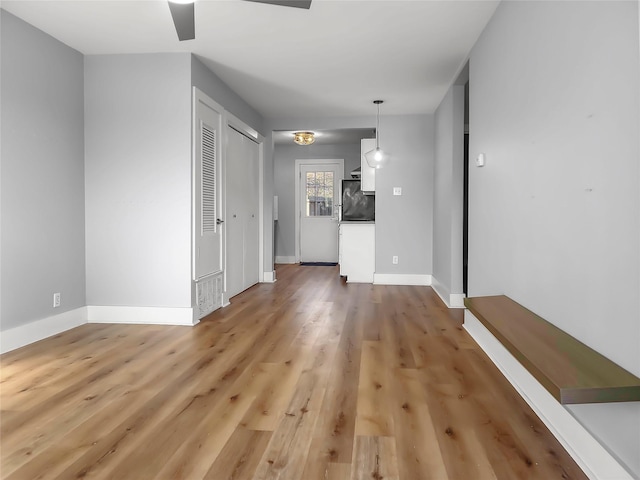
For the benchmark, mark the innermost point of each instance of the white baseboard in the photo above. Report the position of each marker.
(142, 315)
(284, 259)
(596, 462)
(451, 300)
(40, 329)
(401, 279)
(47, 327)
(269, 277)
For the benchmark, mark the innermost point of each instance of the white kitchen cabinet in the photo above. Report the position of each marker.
(368, 174)
(357, 253)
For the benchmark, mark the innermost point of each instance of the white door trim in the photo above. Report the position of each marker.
(234, 122)
(299, 163)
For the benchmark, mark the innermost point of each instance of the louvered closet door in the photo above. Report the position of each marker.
(207, 235)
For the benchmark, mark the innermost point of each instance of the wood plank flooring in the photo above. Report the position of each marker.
(307, 378)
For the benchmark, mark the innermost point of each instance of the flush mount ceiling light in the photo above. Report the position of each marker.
(304, 138)
(377, 158)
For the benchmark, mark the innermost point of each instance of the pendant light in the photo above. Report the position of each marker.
(377, 158)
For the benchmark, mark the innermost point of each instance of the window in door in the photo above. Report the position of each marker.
(319, 185)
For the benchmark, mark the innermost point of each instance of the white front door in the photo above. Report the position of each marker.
(320, 186)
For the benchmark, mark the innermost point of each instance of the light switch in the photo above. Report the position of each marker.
(397, 190)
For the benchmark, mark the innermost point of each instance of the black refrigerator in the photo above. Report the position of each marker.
(356, 206)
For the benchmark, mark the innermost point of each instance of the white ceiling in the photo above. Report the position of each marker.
(331, 60)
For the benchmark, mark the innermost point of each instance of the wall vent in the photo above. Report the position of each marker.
(209, 294)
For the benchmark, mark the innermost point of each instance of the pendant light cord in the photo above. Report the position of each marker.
(378, 128)
(378, 102)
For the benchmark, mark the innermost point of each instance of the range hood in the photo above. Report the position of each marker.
(356, 172)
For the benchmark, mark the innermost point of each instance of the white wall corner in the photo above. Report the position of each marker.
(142, 315)
(451, 300)
(269, 277)
(285, 259)
(596, 462)
(40, 329)
(456, 300)
(401, 279)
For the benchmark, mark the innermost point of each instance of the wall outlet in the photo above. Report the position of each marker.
(56, 300)
(397, 190)
(394, 259)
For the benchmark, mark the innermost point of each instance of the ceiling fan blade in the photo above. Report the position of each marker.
(286, 3)
(184, 19)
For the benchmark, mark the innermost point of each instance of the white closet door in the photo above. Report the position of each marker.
(251, 220)
(242, 156)
(236, 190)
(207, 233)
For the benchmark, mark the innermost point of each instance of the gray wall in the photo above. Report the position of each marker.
(284, 184)
(221, 93)
(138, 179)
(448, 191)
(555, 213)
(42, 174)
(404, 224)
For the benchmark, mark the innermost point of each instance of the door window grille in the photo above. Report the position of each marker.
(320, 189)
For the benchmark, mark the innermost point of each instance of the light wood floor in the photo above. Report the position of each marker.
(308, 378)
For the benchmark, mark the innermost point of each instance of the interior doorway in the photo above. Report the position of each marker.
(465, 218)
(318, 190)
(465, 197)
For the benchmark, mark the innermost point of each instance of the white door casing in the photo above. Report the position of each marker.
(208, 247)
(318, 188)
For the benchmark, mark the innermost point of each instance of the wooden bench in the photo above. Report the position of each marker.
(570, 370)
